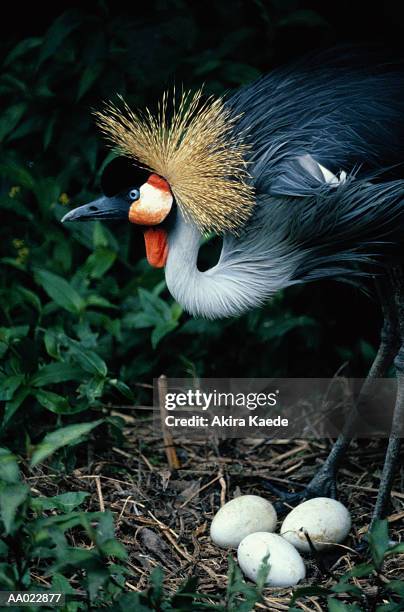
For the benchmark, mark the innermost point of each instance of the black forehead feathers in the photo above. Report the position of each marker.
(120, 174)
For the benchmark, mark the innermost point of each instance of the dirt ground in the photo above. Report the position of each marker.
(163, 517)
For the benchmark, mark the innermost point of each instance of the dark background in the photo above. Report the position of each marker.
(346, 21)
(60, 62)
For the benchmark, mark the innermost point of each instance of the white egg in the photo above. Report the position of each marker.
(240, 517)
(286, 567)
(326, 520)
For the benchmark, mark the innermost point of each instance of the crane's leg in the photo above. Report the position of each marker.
(397, 427)
(323, 483)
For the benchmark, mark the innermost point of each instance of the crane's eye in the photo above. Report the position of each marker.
(134, 195)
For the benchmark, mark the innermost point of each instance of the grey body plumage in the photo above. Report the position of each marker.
(335, 112)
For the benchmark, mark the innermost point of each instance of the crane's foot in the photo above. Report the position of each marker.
(323, 484)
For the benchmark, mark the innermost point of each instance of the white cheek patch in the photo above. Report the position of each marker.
(154, 198)
(152, 207)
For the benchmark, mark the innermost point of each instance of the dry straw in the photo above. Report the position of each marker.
(197, 150)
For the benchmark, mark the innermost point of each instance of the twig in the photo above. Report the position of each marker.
(173, 461)
(171, 535)
(99, 493)
(372, 490)
(199, 491)
(223, 488)
(123, 509)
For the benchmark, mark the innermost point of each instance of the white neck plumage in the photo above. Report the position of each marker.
(237, 283)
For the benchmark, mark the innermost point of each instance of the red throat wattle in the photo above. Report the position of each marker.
(156, 246)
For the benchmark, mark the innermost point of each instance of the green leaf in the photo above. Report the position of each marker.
(17, 174)
(10, 83)
(8, 576)
(346, 587)
(30, 297)
(47, 192)
(396, 586)
(139, 320)
(11, 497)
(97, 576)
(105, 538)
(9, 470)
(9, 385)
(237, 586)
(26, 127)
(88, 77)
(379, 541)
(99, 262)
(74, 557)
(88, 360)
(98, 300)
(358, 571)
(92, 389)
(10, 118)
(48, 132)
(63, 255)
(65, 502)
(13, 405)
(60, 291)
(100, 238)
(54, 373)
(61, 584)
(176, 311)
(185, 595)
(113, 548)
(105, 529)
(396, 549)
(154, 306)
(51, 341)
(66, 436)
(161, 330)
(3, 549)
(263, 572)
(64, 522)
(308, 592)
(390, 607)
(207, 66)
(334, 605)
(8, 334)
(53, 402)
(58, 31)
(15, 207)
(122, 388)
(21, 48)
(156, 587)
(240, 73)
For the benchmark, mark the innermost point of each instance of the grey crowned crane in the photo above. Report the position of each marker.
(300, 172)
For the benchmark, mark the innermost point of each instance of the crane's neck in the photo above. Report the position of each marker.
(237, 283)
(186, 283)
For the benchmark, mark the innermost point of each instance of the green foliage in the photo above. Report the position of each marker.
(240, 597)
(31, 536)
(66, 436)
(391, 591)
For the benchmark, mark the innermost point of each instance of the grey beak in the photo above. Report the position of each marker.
(114, 209)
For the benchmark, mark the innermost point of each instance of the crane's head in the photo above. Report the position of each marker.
(137, 196)
(193, 161)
